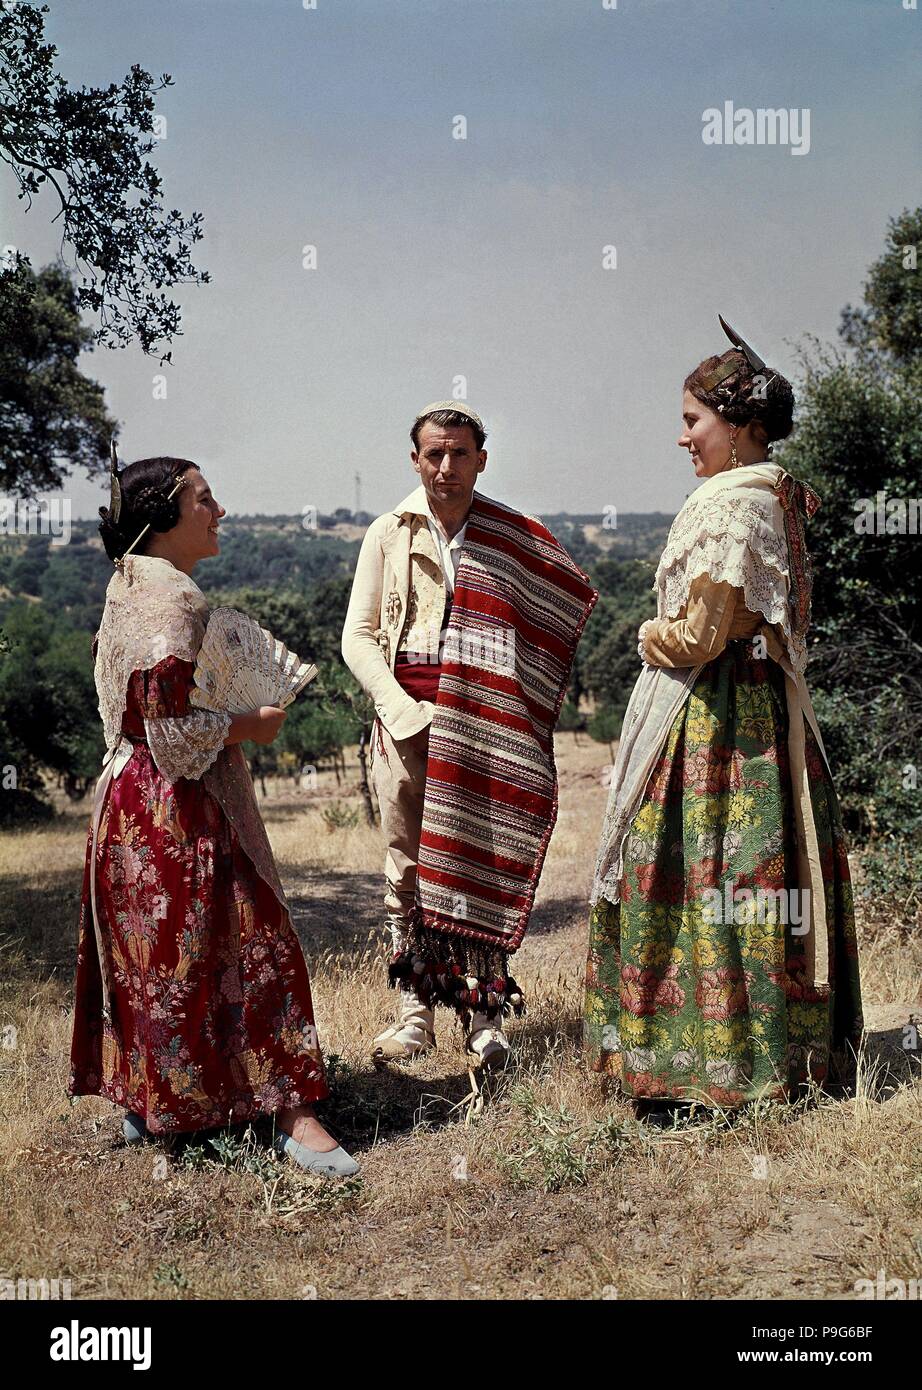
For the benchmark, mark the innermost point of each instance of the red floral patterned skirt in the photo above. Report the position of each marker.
(213, 1019)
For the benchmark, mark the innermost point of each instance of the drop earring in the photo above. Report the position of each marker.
(734, 461)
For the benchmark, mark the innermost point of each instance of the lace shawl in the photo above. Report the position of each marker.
(153, 610)
(733, 528)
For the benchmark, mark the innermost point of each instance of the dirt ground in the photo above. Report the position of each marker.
(555, 1191)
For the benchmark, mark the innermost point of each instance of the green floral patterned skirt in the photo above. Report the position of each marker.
(695, 988)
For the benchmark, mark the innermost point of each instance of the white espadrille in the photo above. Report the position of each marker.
(486, 1043)
(413, 1035)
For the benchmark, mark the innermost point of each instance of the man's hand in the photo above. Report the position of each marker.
(420, 740)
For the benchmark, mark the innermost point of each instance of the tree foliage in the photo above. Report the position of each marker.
(859, 435)
(52, 417)
(890, 320)
(48, 716)
(89, 146)
(606, 659)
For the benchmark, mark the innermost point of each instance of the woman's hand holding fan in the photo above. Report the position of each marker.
(262, 726)
(242, 668)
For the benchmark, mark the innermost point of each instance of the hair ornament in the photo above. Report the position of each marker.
(177, 487)
(726, 369)
(115, 491)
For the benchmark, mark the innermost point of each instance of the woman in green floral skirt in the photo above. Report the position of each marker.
(722, 955)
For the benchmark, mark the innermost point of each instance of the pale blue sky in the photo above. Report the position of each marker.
(482, 258)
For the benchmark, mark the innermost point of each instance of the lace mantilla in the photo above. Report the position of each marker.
(732, 528)
(153, 610)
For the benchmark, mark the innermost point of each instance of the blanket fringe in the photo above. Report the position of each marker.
(467, 976)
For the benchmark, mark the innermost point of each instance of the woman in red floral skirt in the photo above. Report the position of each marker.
(193, 1003)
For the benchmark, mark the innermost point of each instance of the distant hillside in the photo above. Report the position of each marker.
(273, 552)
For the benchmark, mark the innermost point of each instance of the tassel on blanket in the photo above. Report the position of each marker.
(467, 976)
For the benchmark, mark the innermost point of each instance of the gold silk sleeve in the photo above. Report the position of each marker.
(700, 634)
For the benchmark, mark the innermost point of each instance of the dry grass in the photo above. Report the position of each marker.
(555, 1192)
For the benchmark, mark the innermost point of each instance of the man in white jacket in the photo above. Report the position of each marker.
(398, 611)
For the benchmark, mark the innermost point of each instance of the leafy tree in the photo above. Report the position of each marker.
(605, 724)
(22, 789)
(342, 693)
(71, 744)
(316, 728)
(571, 721)
(607, 656)
(90, 145)
(48, 715)
(75, 581)
(859, 434)
(52, 417)
(890, 321)
(611, 669)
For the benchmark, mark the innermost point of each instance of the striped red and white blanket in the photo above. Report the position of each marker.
(520, 606)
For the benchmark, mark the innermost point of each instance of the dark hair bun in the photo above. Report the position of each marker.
(160, 510)
(145, 487)
(763, 397)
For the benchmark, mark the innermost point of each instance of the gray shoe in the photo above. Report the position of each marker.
(134, 1129)
(334, 1164)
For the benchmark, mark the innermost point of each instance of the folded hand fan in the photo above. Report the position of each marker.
(241, 666)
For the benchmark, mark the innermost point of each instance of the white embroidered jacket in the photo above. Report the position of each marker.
(397, 602)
